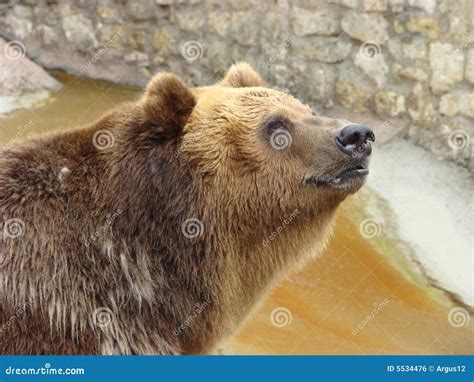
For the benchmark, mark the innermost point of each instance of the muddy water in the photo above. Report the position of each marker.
(363, 296)
(354, 300)
(79, 101)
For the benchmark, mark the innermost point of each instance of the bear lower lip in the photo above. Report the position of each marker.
(358, 172)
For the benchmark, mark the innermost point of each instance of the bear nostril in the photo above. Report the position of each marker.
(353, 140)
(355, 135)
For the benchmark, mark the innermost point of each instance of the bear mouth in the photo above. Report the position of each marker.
(355, 174)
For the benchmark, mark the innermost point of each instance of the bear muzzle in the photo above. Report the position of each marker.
(354, 140)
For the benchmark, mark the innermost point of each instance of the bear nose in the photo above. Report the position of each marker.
(353, 140)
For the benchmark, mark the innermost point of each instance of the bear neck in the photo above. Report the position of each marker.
(219, 275)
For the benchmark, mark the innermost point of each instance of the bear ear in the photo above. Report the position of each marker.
(242, 75)
(167, 104)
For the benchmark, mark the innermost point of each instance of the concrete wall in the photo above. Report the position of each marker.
(408, 63)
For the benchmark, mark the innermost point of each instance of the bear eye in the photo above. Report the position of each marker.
(278, 133)
(275, 123)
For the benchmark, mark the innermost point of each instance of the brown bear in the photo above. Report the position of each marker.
(158, 228)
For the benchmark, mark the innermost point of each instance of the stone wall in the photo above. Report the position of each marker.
(408, 63)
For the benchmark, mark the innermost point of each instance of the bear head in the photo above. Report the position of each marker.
(255, 148)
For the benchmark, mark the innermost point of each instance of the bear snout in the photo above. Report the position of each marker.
(354, 140)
